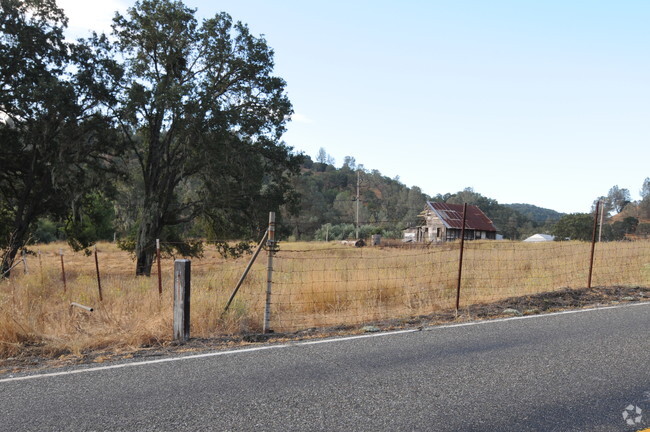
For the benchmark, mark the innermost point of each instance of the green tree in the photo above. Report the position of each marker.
(203, 116)
(55, 141)
(575, 226)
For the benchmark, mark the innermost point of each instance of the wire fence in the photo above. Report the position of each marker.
(347, 286)
(329, 284)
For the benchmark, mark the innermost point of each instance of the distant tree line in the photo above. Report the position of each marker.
(621, 217)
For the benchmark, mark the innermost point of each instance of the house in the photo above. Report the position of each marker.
(540, 238)
(443, 222)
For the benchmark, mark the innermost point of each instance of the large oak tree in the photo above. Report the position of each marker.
(203, 117)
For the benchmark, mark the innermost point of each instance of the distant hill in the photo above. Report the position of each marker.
(536, 214)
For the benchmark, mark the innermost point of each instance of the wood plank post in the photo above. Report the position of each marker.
(99, 281)
(270, 242)
(182, 277)
(25, 261)
(593, 245)
(460, 261)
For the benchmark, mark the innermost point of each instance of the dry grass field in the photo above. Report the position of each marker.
(314, 284)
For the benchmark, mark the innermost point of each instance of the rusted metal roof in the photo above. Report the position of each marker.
(452, 216)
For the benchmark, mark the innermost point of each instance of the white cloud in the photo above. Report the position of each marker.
(85, 16)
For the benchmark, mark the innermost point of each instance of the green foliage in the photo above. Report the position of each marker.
(617, 230)
(90, 222)
(57, 143)
(47, 231)
(328, 197)
(575, 226)
(643, 229)
(536, 214)
(203, 117)
(234, 251)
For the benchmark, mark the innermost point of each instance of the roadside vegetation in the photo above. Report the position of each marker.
(315, 284)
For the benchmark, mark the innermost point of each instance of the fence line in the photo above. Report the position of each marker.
(330, 284)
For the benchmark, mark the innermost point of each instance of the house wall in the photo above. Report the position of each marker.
(436, 231)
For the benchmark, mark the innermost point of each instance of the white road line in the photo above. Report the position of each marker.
(388, 333)
(316, 342)
(141, 363)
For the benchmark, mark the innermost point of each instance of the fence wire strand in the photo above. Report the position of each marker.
(330, 285)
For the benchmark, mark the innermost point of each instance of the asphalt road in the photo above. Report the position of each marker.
(567, 372)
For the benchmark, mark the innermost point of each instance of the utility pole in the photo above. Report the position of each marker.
(358, 179)
(602, 214)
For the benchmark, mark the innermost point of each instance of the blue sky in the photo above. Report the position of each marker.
(546, 103)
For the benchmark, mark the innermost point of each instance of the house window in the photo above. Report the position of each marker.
(438, 232)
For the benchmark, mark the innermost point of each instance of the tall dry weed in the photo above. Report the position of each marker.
(314, 284)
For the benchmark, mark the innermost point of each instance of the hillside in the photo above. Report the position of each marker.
(536, 214)
(328, 205)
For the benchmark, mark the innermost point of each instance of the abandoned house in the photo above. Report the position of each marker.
(443, 222)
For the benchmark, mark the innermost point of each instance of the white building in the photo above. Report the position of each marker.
(540, 238)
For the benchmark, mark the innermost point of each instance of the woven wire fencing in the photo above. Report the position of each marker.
(327, 284)
(344, 285)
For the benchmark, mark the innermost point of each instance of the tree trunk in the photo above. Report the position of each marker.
(16, 242)
(8, 258)
(145, 247)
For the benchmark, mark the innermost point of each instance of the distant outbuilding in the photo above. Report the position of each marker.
(540, 238)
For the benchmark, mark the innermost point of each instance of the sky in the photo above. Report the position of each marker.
(545, 103)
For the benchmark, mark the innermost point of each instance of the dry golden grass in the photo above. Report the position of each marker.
(315, 284)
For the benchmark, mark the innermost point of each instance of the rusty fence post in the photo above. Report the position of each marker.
(182, 279)
(270, 242)
(99, 281)
(159, 271)
(65, 285)
(460, 260)
(593, 245)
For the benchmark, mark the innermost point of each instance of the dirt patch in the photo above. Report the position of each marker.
(32, 358)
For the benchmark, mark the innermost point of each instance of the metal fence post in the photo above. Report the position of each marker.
(270, 242)
(460, 260)
(182, 277)
(65, 286)
(99, 281)
(159, 271)
(593, 245)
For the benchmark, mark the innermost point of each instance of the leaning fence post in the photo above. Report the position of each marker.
(65, 287)
(269, 273)
(182, 276)
(593, 245)
(460, 261)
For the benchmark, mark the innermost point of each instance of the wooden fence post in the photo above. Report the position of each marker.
(182, 277)
(593, 245)
(25, 261)
(269, 272)
(460, 260)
